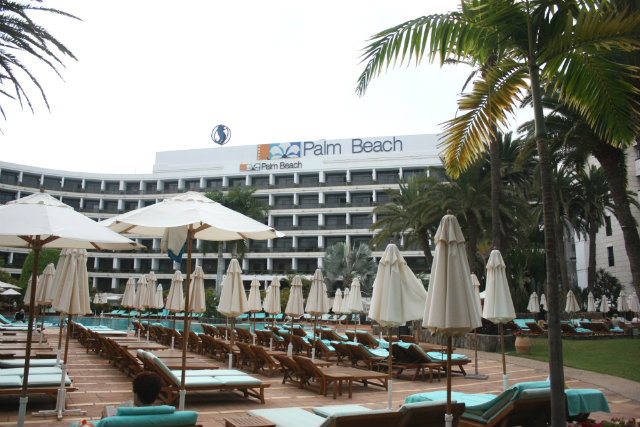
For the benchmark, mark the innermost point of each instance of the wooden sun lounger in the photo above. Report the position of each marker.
(422, 357)
(338, 375)
(247, 384)
(264, 361)
(363, 337)
(535, 329)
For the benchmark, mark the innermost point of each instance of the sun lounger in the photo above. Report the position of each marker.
(361, 354)
(338, 375)
(19, 363)
(42, 380)
(535, 329)
(264, 361)
(457, 360)
(364, 337)
(301, 345)
(325, 350)
(144, 416)
(403, 359)
(570, 329)
(244, 335)
(525, 404)
(331, 335)
(290, 370)
(249, 385)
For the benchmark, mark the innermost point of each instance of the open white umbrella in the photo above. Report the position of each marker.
(159, 298)
(604, 305)
(451, 309)
(572, 304)
(295, 305)
(129, 297)
(354, 302)
(476, 291)
(398, 297)
(9, 293)
(233, 300)
(591, 303)
(190, 216)
(5, 285)
(498, 306)
(317, 303)
(142, 299)
(255, 305)
(634, 304)
(40, 221)
(534, 303)
(543, 302)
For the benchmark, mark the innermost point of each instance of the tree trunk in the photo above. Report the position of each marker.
(562, 258)
(591, 268)
(220, 270)
(612, 160)
(556, 369)
(496, 187)
(472, 244)
(426, 247)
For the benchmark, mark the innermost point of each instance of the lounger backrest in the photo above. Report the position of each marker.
(308, 366)
(165, 372)
(378, 417)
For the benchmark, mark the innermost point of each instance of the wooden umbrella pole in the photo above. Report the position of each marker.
(185, 338)
(448, 375)
(390, 381)
(504, 361)
(66, 344)
(42, 319)
(475, 337)
(233, 322)
(315, 325)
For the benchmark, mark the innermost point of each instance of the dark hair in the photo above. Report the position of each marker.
(147, 385)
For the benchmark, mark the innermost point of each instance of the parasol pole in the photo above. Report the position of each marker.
(231, 334)
(226, 328)
(505, 377)
(185, 338)
(59, 352)
(24, 397)
(448, 416)
(173, 335)
(41, 323)
(476, 376)
(389, 386)
(315, 324)
(66, 344)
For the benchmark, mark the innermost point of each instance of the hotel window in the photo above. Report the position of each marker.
(309, 180)
(260, 181)
(607, 225)
(308, 222)
(612, 261)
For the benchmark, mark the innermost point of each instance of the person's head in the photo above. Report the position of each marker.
(541, 307)
(146, 387)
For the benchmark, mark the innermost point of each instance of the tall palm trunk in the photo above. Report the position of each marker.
(561, 257)
(558, 415)
(426, 247)
(472, 244)
(496, 187)
(612, 160)
(591, 267)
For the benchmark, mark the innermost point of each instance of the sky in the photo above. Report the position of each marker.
(153, 75)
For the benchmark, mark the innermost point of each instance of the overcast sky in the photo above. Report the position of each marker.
(158, 75)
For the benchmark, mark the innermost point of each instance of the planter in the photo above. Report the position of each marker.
(523, 345)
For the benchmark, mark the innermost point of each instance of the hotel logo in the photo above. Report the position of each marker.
(288, 150)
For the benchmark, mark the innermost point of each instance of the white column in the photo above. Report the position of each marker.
(320, 242)
(374, 175)
(320, 261)
(180, 183)
(294, 241)
(116, 264)
(203, 182)
(123, 186)
(160, 185)
(347, 240)
(272, 179)
(94, 283)
(248, 180)
(348, 178)
(348, 198)
(245, 263)
(155, 264)
(296, 178)
(374, 197)
(114, 283)
(269, 264)
(320, 220)
(295, 199)
(120, 204)
(136, 264)
(321, 198)
(294, 264)
(225, 181)
(321, 177)
(348, 220)
(295, 220)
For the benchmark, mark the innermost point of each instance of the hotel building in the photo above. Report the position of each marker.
(319, 193)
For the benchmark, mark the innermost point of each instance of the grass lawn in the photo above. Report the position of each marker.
(618, 357)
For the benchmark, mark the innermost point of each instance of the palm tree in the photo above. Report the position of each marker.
(535, 42)
(240, 199)
(594, 200)
(342, 264)
(405, 216)
(22, 36)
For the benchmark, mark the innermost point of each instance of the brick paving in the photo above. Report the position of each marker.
(100, 384)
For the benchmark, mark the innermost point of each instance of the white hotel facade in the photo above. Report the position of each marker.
(318, 192)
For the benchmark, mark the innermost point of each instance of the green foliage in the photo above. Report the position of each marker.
(46, 256)
(342, 264)
(608, 285)
(211, 302)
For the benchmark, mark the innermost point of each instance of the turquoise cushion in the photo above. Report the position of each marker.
(331, 420)
(238, 380)
(195, 372)
(10, 381)
(201, 381)
(146, 410)
(180, 418)
(47, 380)
(288, 417)
(16, 363)
(327, 411)
(443, 356)
(32, 371)
(225, 372)
(466, 398)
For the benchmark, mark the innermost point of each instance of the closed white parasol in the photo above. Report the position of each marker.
(451, 308)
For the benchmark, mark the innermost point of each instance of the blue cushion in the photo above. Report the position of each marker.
(146, 410)
(179, 418)
(10, 381)
(238, 380)
(288, 417)
(327, 411)
(201, 381)
(32, 371)
(195, 372)
(16, 363)
(47, 380)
